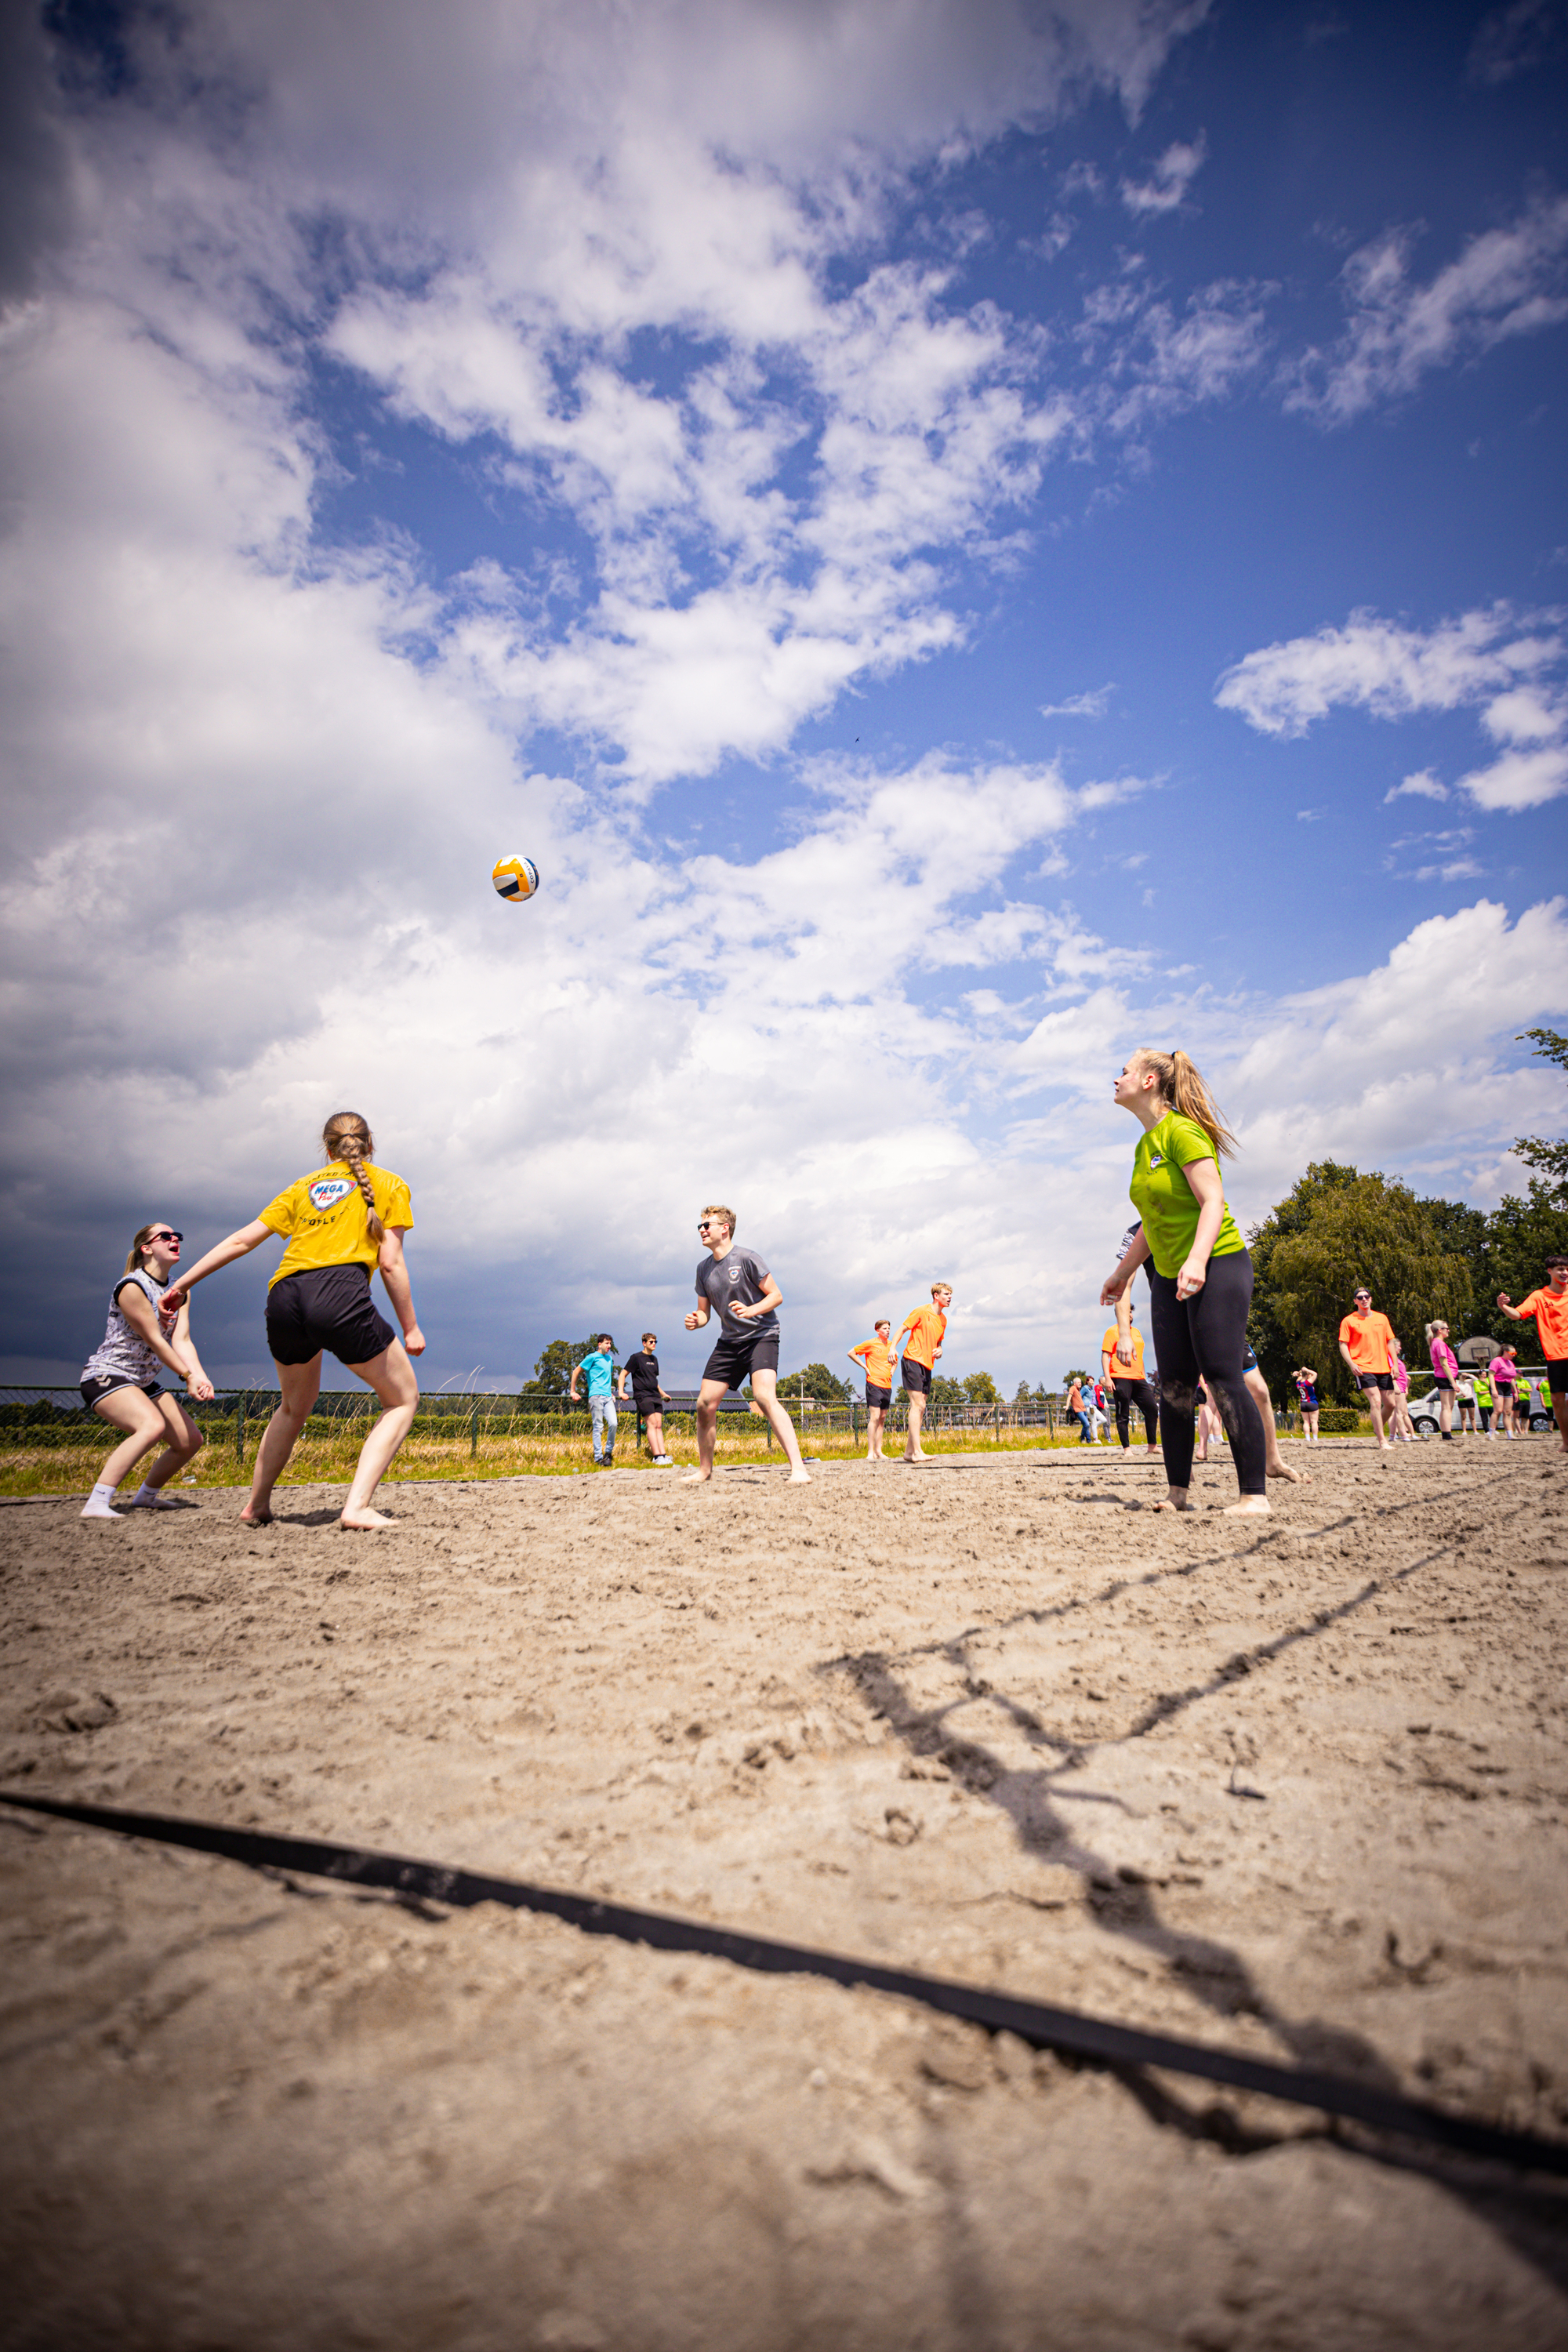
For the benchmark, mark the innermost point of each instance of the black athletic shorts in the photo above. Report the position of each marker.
(883, 1397)
(734, 1361)
(1557, 1373)
(1375, 1381)
(1249, 1361)
(107, 1382)
(1440, 1380)
(917, 1378)
(647, 1402)
(326, 1307)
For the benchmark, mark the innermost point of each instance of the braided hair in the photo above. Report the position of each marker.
(1182, 1086)
(346, 1137)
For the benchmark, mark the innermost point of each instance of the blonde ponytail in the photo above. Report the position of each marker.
(1182, 1086)
(346, 1137)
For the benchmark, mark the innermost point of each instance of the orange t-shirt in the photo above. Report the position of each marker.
(1367, 1336)
(1118, 1371)
(925, 1325)
(1550, 1309)
(876, 1359)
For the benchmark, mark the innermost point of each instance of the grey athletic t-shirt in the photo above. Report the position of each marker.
(737, 1280)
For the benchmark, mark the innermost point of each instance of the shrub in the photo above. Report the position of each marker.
(1339, 1421)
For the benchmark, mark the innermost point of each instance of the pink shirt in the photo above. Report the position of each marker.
(1444, 1363)
(1504, 1371)
(1401, 1371)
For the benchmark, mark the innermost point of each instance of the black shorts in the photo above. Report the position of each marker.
(106, 1383)
(734, 1361)
(882, 1397)
(326, 1307)
(916, 1378)
(1557, 1373)
(1439, 1382)
(645, 1402)
(1249, 1361)
(1375, 1381)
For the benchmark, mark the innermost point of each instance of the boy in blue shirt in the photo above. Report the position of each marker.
(600, 1368)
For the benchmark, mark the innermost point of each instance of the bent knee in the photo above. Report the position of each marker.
(1179, 1396)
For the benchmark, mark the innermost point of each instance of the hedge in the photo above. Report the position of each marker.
(1339, 1421)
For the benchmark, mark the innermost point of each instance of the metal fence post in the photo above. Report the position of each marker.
(239, 1430)
(473, 1428)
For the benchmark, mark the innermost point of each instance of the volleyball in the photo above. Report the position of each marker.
(516, 879)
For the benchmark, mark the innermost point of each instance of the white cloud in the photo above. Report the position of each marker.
(1507, 281)
(1151, 360)
(1090, 705)
(1166, 187)
(1513, 668)
(1514, 38)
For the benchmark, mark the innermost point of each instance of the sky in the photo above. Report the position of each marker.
(963, 536)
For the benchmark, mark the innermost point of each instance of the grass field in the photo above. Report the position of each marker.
(328, 1450)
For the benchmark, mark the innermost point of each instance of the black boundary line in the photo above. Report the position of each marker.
(1044, 2027)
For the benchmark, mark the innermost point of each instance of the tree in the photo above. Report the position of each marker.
(1338, 1229)
(1536, 1152)
(980, 1389)
(817, 1381)
(1068, 1378)
(947, 1394)
(1521, 1237)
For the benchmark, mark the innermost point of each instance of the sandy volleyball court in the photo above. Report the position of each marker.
(1298, 1788)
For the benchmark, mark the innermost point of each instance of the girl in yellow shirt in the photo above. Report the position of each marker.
(340, 1223)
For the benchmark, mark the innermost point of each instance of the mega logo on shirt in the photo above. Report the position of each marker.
(327, 1191)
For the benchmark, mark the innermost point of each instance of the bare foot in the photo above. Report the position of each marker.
(916, 1457)
(366, 1517)
(1283, 1470)
(798, 1479)
(1251, 1507)
(257, 1516)
(1176, 1502)
(697, 1478)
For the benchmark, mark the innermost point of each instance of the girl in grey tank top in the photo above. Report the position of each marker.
(137, 1345)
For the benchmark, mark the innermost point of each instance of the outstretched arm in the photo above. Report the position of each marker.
(239, 1244)
(143, 1318)
(1509, 1308)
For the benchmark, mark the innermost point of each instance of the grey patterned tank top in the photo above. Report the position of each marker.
(122, 1353)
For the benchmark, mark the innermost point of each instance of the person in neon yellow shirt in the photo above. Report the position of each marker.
(1200, 1278)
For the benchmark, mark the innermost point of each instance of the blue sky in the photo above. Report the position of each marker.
(962, 539)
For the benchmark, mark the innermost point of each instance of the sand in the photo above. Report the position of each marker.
(1298, 1788)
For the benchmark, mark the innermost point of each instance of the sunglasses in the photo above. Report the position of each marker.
(162, 1237)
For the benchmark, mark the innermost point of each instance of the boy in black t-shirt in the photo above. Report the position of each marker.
(648, 1396)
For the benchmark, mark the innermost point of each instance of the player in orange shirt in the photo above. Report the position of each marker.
(875, 1357)
(1549, 1307)
(1365, 1339)
(922, 1328)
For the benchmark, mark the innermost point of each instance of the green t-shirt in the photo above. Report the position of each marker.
(1166, 1201)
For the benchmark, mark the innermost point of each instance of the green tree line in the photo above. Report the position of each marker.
(1425, 1260)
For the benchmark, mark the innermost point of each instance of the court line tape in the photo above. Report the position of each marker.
(1045, 2028)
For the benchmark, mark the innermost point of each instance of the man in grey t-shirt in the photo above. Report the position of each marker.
(739, 1285)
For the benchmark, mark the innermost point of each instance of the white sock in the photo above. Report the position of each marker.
(97, 1506)
(153, 1495)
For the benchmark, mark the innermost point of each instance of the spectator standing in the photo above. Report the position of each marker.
(1503, 1371)
(1306, 1380)
(1403, 1427)
(1445, 1371)
(649, 1398)
(1484, 1399)
(1366, 1343)
(1075, 1408)
(875, 1357)
(598, 1368)
(1465, 1403)
(1121, 1359)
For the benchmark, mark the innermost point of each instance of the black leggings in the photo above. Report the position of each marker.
(1128, 1394)
(1207, 1336)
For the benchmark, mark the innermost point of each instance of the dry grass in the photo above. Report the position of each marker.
(326, 1453)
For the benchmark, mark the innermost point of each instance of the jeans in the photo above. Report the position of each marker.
(603, 1410)
(1088, 1428)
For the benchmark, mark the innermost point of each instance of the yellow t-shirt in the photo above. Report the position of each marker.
(1118, 1371)
(325, 1218)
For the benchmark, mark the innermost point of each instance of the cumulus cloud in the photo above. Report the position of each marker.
(1509, 667)
(1506, 282)
(1422, 785)
(1166, 187)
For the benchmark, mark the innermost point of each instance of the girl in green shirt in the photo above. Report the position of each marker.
(1200, 1276)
